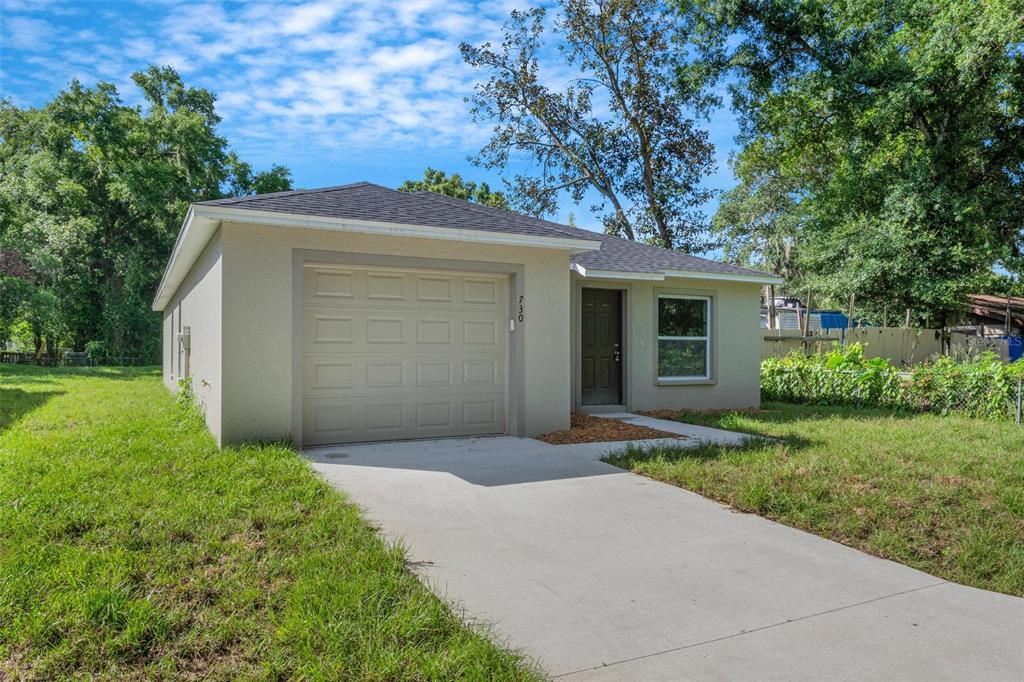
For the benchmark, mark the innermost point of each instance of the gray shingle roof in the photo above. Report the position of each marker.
(366, 201)
(616, 254)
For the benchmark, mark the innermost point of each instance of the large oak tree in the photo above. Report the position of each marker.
(617, 126)
(882, 143)
(92, 194)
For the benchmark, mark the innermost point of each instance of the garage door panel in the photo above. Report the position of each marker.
(404, 331)
(434, 415)
(480, 412)
(329, 419)
(482, 372)
(362, 375)
(384, 416)
(480, 292)
(385, 287)
(385, 375)
(388, 289)
(390, 330)
(338, 420)
(325, 328)
(330, 284)
(327, 374)
(390, 354)
(435, 289)
(434, 374)
(481, 332)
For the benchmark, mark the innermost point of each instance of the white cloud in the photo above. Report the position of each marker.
(305, 18)
(139, 48)
(7, 6)
(339, 73)
(26, 33)
(411, 57)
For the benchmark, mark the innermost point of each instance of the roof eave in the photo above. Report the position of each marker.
(591, 273)
(302, 221)
(195, 232)
(202, 221)
(759, 278)
(661, 275)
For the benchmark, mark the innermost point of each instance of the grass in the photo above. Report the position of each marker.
(942, 494)
(132, 548)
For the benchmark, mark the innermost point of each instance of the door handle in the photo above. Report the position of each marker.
(617, 355)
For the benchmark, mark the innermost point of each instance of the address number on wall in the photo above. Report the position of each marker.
(521, 307)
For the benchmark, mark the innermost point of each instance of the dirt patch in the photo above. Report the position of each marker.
(585, 428)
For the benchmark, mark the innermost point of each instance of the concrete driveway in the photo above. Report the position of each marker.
(599, 574)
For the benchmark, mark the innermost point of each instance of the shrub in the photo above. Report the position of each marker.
(96, 349)
(981, 387)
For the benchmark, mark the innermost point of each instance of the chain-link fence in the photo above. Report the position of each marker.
(975, 394)
(71, 359)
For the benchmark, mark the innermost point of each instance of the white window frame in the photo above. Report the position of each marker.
(706, 339)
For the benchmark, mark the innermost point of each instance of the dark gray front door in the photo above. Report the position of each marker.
(601, 337)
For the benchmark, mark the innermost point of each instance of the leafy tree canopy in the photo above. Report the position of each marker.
(1000, 284)
(454, 186)
(882, 143)
(618, 126)
(92, 194)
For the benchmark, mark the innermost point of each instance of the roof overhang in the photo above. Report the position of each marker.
(195, 234)
(661, 275)
(201, 223)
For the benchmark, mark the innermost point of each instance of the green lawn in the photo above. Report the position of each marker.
(942, 494)
(130, 547)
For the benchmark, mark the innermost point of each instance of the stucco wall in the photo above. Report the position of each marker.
(260, 342)
(197, 304)
(735, 344)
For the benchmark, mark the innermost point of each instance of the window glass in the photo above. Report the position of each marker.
(683, 343)
(682, 358)
(682, 317)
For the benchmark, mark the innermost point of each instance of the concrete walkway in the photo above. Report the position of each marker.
(599, 574)
(692, 432)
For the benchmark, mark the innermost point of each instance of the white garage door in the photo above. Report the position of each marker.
(391, 354)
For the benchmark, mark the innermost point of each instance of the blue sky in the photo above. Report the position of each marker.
(338, 91)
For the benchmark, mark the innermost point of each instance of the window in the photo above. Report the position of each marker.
(684, 327)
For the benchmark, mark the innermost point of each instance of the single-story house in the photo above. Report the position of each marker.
(359, 313)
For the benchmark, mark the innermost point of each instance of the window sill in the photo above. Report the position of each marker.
(683, 381)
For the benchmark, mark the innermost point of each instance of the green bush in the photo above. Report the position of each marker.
(96, 349)
(981, 387)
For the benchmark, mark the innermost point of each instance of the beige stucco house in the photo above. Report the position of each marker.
(359, 313)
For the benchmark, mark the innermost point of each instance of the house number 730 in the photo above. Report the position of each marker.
(521, 308)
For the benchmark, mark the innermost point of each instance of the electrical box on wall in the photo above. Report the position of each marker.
(185, 338)
(184, 354)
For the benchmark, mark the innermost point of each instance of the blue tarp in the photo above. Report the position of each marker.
(1015, 347)
(833, 321)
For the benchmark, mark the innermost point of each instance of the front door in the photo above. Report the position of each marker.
(601, 336)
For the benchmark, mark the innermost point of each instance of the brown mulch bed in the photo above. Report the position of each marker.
(585, 428)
